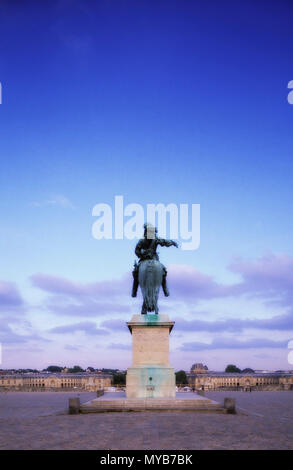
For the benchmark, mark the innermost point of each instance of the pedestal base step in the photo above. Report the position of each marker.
(100, 405)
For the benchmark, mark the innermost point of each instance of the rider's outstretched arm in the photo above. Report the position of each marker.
(163, 242)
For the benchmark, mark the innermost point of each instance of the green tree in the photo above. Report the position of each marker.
(181, 378)
(232, 368)
(54, 369)
(119, 379)
(75, 370)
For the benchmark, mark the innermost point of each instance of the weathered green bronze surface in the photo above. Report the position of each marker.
(149, 273)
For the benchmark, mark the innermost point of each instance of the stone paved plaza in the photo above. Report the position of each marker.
(39, 421)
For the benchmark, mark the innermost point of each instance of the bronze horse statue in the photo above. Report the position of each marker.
(149, 273)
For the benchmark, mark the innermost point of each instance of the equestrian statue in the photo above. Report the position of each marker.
(149, 273)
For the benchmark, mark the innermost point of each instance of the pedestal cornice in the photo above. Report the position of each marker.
(150, 320)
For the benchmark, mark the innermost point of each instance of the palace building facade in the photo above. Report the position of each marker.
(55, 382)
(240, 381)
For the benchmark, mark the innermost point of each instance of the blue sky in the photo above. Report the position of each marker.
(165, 101)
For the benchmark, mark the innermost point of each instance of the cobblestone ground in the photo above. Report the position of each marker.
(35, 421)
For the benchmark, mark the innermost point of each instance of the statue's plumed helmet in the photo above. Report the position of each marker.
(150, 227)
(149, 230)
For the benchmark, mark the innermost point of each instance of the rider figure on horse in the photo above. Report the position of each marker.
(145, 249)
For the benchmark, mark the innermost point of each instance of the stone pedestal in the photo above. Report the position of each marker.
(150, 375)
(150, 381)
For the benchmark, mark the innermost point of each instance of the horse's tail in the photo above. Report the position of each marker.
(150, 298)
(150, 287)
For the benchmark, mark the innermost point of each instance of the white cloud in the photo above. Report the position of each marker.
(58, 200)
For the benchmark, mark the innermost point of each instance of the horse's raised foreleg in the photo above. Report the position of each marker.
(164, 284)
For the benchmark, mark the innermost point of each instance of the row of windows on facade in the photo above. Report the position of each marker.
(52, 382)
(234, 381)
